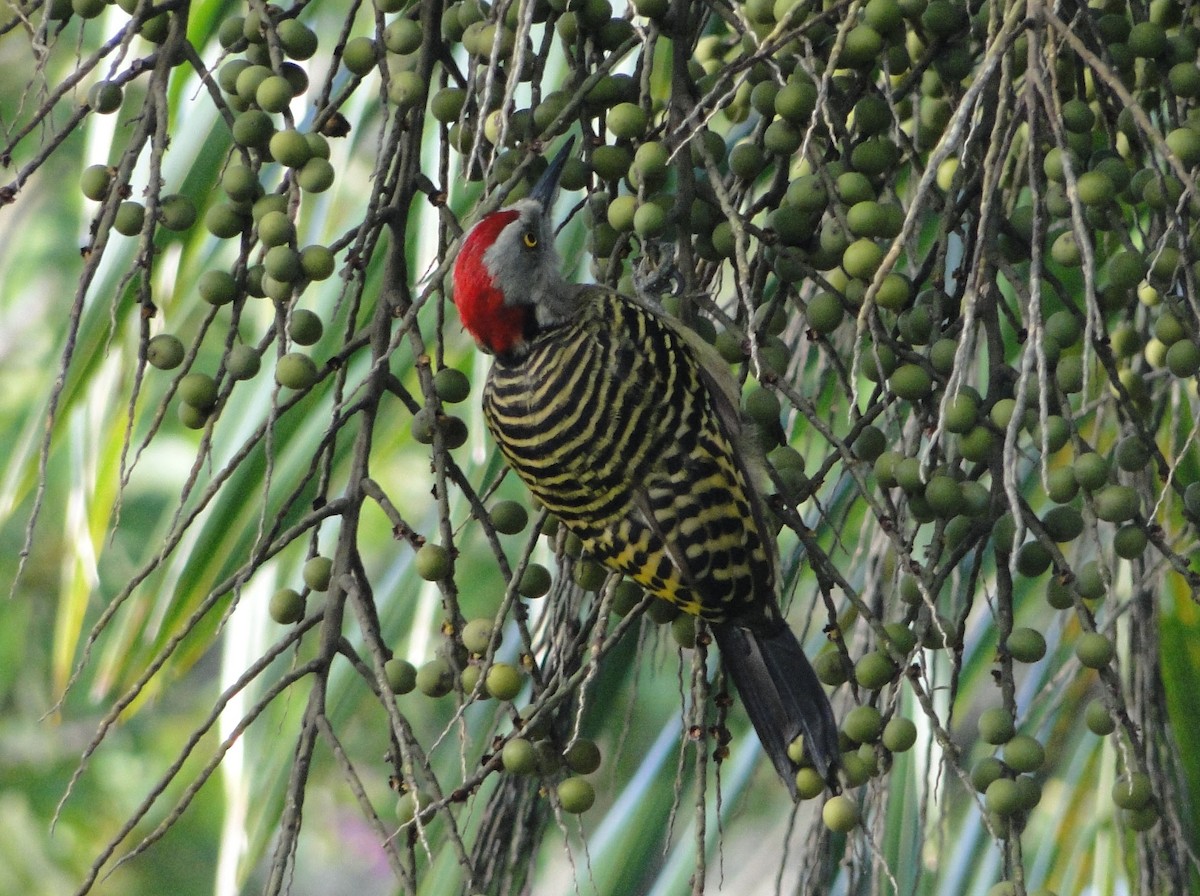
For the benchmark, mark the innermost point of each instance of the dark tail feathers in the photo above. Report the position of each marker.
(783, 698)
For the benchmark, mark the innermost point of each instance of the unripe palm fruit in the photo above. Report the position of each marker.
(996, 725)
(275, 228)
(583, 756)
(304, 326)
(317, 261)
(874, 670)
(129, 218)
(509, 517)
(402, 36)
(217, 287)
(359, 57)
(535, 582)
(1132, 791)
(164, 351)
(273, 94)
(407, 89)
(316, 573)
(95, 181)
(199, 390)
(1003, 797)
(287, 606)
(1094, 650)
(832, 668)
(451, 385)
(297, 39)
(432, 562)
(1024, 753)
(243, 362)
(862, 258)
(576, 795)
(316, 176)
(253, 129)
(519, 757)
(840, 814)
(289, 148)
(504, 681)
(627, 121)
(435, 678)
(1098, 719)
(1026, 645)
(401, 675)
(295, 370)
(899, 734)
(863, 724)
(477, 635)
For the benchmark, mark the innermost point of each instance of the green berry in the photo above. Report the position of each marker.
(316, 262)
(863, 724)
(129, 218)
(899, 734)
(1132, 791)
(1116, 503)
(832, 667)
(809, 784)
(402, 36)
(509, 517)
(316, 176)
(296, 371)
(412, 802)
(217, 287)
(840, 814)
(1094, 650)
(519, 757)
(535, 582)
(274, 94)
(164, 351)
(1026, 645)
(282, 264)
(435, 678)
(304, 326)
(316, 573)
(407, 89)
(289, 148)
(1003, 797)
(583, 756)
(1024, 753)
(287, 606)
(996, 725)
(477, 635)
(504, 681)
(1097, 718)
(243, 362)
(253, 128)
(432, 562)
(95, 181)
(275, 228)
(401, 675)
(874, 670)
(576, 795)
(199, 390)
(911, 382)
(985, 771)
(452, 386)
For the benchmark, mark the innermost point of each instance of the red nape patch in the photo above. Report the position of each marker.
(480, 303)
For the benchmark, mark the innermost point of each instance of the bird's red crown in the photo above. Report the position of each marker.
(495, 326)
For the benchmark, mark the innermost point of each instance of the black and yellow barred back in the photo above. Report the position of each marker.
(608, 421)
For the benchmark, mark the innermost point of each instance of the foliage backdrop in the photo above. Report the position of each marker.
(948, 249)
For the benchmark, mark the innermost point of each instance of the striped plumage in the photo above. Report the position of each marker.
(623, 444)
(625, 426)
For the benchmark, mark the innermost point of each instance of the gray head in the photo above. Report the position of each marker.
(508, 268)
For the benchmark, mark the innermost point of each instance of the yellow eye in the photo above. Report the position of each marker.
(529, 238)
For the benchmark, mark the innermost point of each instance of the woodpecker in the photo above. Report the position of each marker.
(624, 425)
